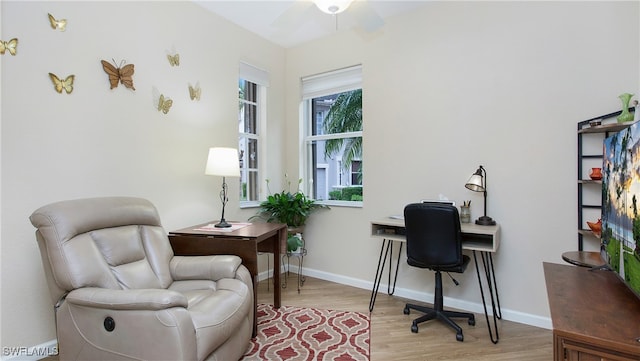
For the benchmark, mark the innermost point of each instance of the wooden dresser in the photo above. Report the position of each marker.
(595, 316)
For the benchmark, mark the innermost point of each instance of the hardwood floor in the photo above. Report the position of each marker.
(391, 336)
(392, 339)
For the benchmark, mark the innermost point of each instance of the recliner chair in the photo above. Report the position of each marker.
(434, 241)
(121, 294)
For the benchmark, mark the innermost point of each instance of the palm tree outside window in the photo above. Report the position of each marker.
(334, 160)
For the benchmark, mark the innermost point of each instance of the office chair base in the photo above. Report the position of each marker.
(442, 315)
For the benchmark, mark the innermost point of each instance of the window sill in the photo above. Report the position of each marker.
(336, 203)
(252, 204)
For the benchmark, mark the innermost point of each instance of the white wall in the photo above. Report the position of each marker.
(457, 84)
(447, 88)
(99, 142)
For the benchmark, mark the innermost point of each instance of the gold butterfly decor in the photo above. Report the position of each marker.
(59, 84)
(194, 93)
(164, 104)
(122, 74)
(11, 45)
(174, 60)
(57, 24)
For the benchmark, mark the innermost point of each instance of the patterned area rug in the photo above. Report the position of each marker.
(295, 333)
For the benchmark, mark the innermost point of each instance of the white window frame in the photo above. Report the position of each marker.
(261, 79)
(316, 86)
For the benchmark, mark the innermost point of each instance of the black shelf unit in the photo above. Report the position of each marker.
(608, 125)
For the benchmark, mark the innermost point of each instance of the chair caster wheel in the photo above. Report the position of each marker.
(406, 310)
(459, 337)
(414, 328)
(472, 321)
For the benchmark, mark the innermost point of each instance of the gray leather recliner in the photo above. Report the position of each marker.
(121, 294)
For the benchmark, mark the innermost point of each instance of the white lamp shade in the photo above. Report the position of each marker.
(332, 6)
(223, 162)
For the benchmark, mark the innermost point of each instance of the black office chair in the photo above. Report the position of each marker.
(434, 241)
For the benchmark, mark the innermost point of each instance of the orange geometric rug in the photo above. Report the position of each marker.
(295, 333)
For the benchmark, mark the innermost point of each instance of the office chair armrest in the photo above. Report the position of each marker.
(139, 299)
(204, 267)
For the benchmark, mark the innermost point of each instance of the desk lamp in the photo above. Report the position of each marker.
(478, 183)
(223, 162)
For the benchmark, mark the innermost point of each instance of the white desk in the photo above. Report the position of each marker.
(483, 239)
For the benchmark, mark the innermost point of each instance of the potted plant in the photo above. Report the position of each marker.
(293, 209)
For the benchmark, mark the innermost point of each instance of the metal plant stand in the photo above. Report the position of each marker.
(299, 254)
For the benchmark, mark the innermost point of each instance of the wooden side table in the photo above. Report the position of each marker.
(244, 242)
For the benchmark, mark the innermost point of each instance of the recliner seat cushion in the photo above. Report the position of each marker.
(218, 314)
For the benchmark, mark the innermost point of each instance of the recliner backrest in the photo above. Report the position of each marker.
(434, 238)
(110, 242)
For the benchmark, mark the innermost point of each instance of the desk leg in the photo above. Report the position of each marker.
(487, 264)
(382, 260)
(390, 292)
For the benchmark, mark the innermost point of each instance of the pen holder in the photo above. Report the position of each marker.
(465, 214)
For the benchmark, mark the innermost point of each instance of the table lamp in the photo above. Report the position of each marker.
(478, 183)
(223, 162)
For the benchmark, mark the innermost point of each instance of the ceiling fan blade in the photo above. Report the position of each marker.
(294, 16)
(366, 16)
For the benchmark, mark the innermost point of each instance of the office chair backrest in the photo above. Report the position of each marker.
(433, 235)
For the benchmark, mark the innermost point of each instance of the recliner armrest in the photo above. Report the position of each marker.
(138, 299)
(204, 267)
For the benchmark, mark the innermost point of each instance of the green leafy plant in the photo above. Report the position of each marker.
(294, 242)
(293, 209)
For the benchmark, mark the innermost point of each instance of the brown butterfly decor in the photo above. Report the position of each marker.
(57, 24)
(11, 46)
(164, 104)
(174, 60)
(122, 74)
(60, 84)
(195, 92)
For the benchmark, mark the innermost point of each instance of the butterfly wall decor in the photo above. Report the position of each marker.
(122, 74)
(60, 84)
(195, 92)
(174, 60)
(57, 24)
(164, 104)
(11, 46)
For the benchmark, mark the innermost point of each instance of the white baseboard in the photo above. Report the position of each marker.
(507, 314)
(23, 353)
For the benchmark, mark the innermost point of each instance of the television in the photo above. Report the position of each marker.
(620, 235)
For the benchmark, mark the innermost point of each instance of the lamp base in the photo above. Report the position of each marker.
(485, 221)
(224, 224)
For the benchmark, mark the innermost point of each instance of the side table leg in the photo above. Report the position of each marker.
(277, 242)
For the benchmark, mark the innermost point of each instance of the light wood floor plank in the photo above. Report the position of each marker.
(391, 336)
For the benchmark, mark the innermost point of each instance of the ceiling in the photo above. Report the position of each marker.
(293, 22)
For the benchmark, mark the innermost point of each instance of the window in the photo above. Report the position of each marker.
(252, 93)
(332, 144)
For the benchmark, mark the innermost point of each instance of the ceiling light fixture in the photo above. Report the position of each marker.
(332, 6)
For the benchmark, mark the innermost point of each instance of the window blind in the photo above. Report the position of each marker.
(332, 82)
(253, 74)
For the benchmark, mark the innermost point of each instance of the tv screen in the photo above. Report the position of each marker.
(621, 205)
